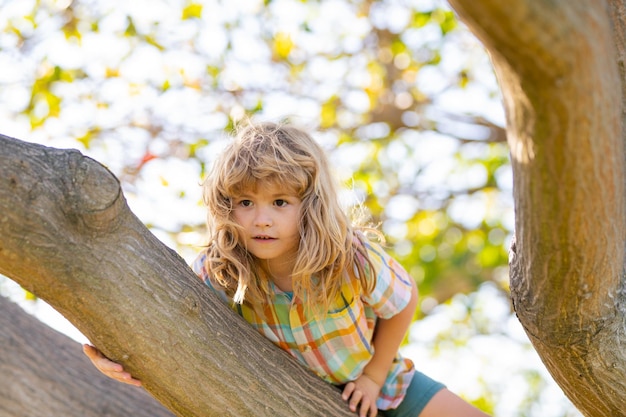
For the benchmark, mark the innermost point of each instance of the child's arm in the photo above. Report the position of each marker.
(108, 367)
(388, 336)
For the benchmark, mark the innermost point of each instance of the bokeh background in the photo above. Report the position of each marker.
(401, 95)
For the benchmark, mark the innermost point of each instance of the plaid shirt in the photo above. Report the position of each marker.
(338, 346)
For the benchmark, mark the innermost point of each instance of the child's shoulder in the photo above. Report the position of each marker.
(368, 249)
(199, 266)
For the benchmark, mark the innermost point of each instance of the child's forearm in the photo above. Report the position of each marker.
(387, 339)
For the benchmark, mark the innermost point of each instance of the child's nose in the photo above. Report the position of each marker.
(263, 218)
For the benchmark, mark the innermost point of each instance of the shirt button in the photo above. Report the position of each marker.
(306, 349)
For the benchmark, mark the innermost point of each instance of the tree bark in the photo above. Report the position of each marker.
(45, 373)
(68, 236)
(560, 65)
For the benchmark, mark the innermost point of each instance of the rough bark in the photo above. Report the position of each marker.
(68, 236)
(45, 373)
(560, 67)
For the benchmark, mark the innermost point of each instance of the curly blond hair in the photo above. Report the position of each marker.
(329, 244)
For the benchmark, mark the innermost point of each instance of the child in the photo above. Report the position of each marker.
(283, 254)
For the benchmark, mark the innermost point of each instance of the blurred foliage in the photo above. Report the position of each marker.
(383, 84)
(482, 351)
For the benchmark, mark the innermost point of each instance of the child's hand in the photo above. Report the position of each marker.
(364, 391)
(108, 367)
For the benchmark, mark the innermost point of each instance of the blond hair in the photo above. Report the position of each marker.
(329, 244)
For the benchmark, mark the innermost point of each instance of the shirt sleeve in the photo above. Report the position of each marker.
(392, 292)
(199, 267)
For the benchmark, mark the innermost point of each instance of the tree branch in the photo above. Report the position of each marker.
(36, 358)
(556, 64)
(69, 238)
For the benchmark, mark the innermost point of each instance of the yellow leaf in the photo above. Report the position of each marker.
(54, 104)
(131, 30)
(29, 296)
(283, 44)
(87, 137)
(192, 11)
(112, 72)
(328, 116)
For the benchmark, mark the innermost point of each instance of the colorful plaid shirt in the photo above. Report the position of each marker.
(338, 346)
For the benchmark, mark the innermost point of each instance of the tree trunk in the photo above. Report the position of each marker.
(68, 236)
(558, 63)
(45, 373)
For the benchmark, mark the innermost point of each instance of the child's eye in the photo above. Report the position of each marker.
(245, 203)
(280, 202)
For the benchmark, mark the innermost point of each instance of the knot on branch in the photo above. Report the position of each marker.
(60, 189)
(93, 194)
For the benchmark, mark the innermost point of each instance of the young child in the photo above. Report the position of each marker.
(284, 255)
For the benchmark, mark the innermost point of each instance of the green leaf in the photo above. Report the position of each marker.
(131, 30)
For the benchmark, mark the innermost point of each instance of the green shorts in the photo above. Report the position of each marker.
(421, 390)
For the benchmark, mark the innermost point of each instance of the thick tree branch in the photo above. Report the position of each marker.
(68, 236)
(618, 21)
(44, 370)
(557, 66)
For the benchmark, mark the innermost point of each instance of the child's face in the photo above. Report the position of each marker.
(269, 215)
